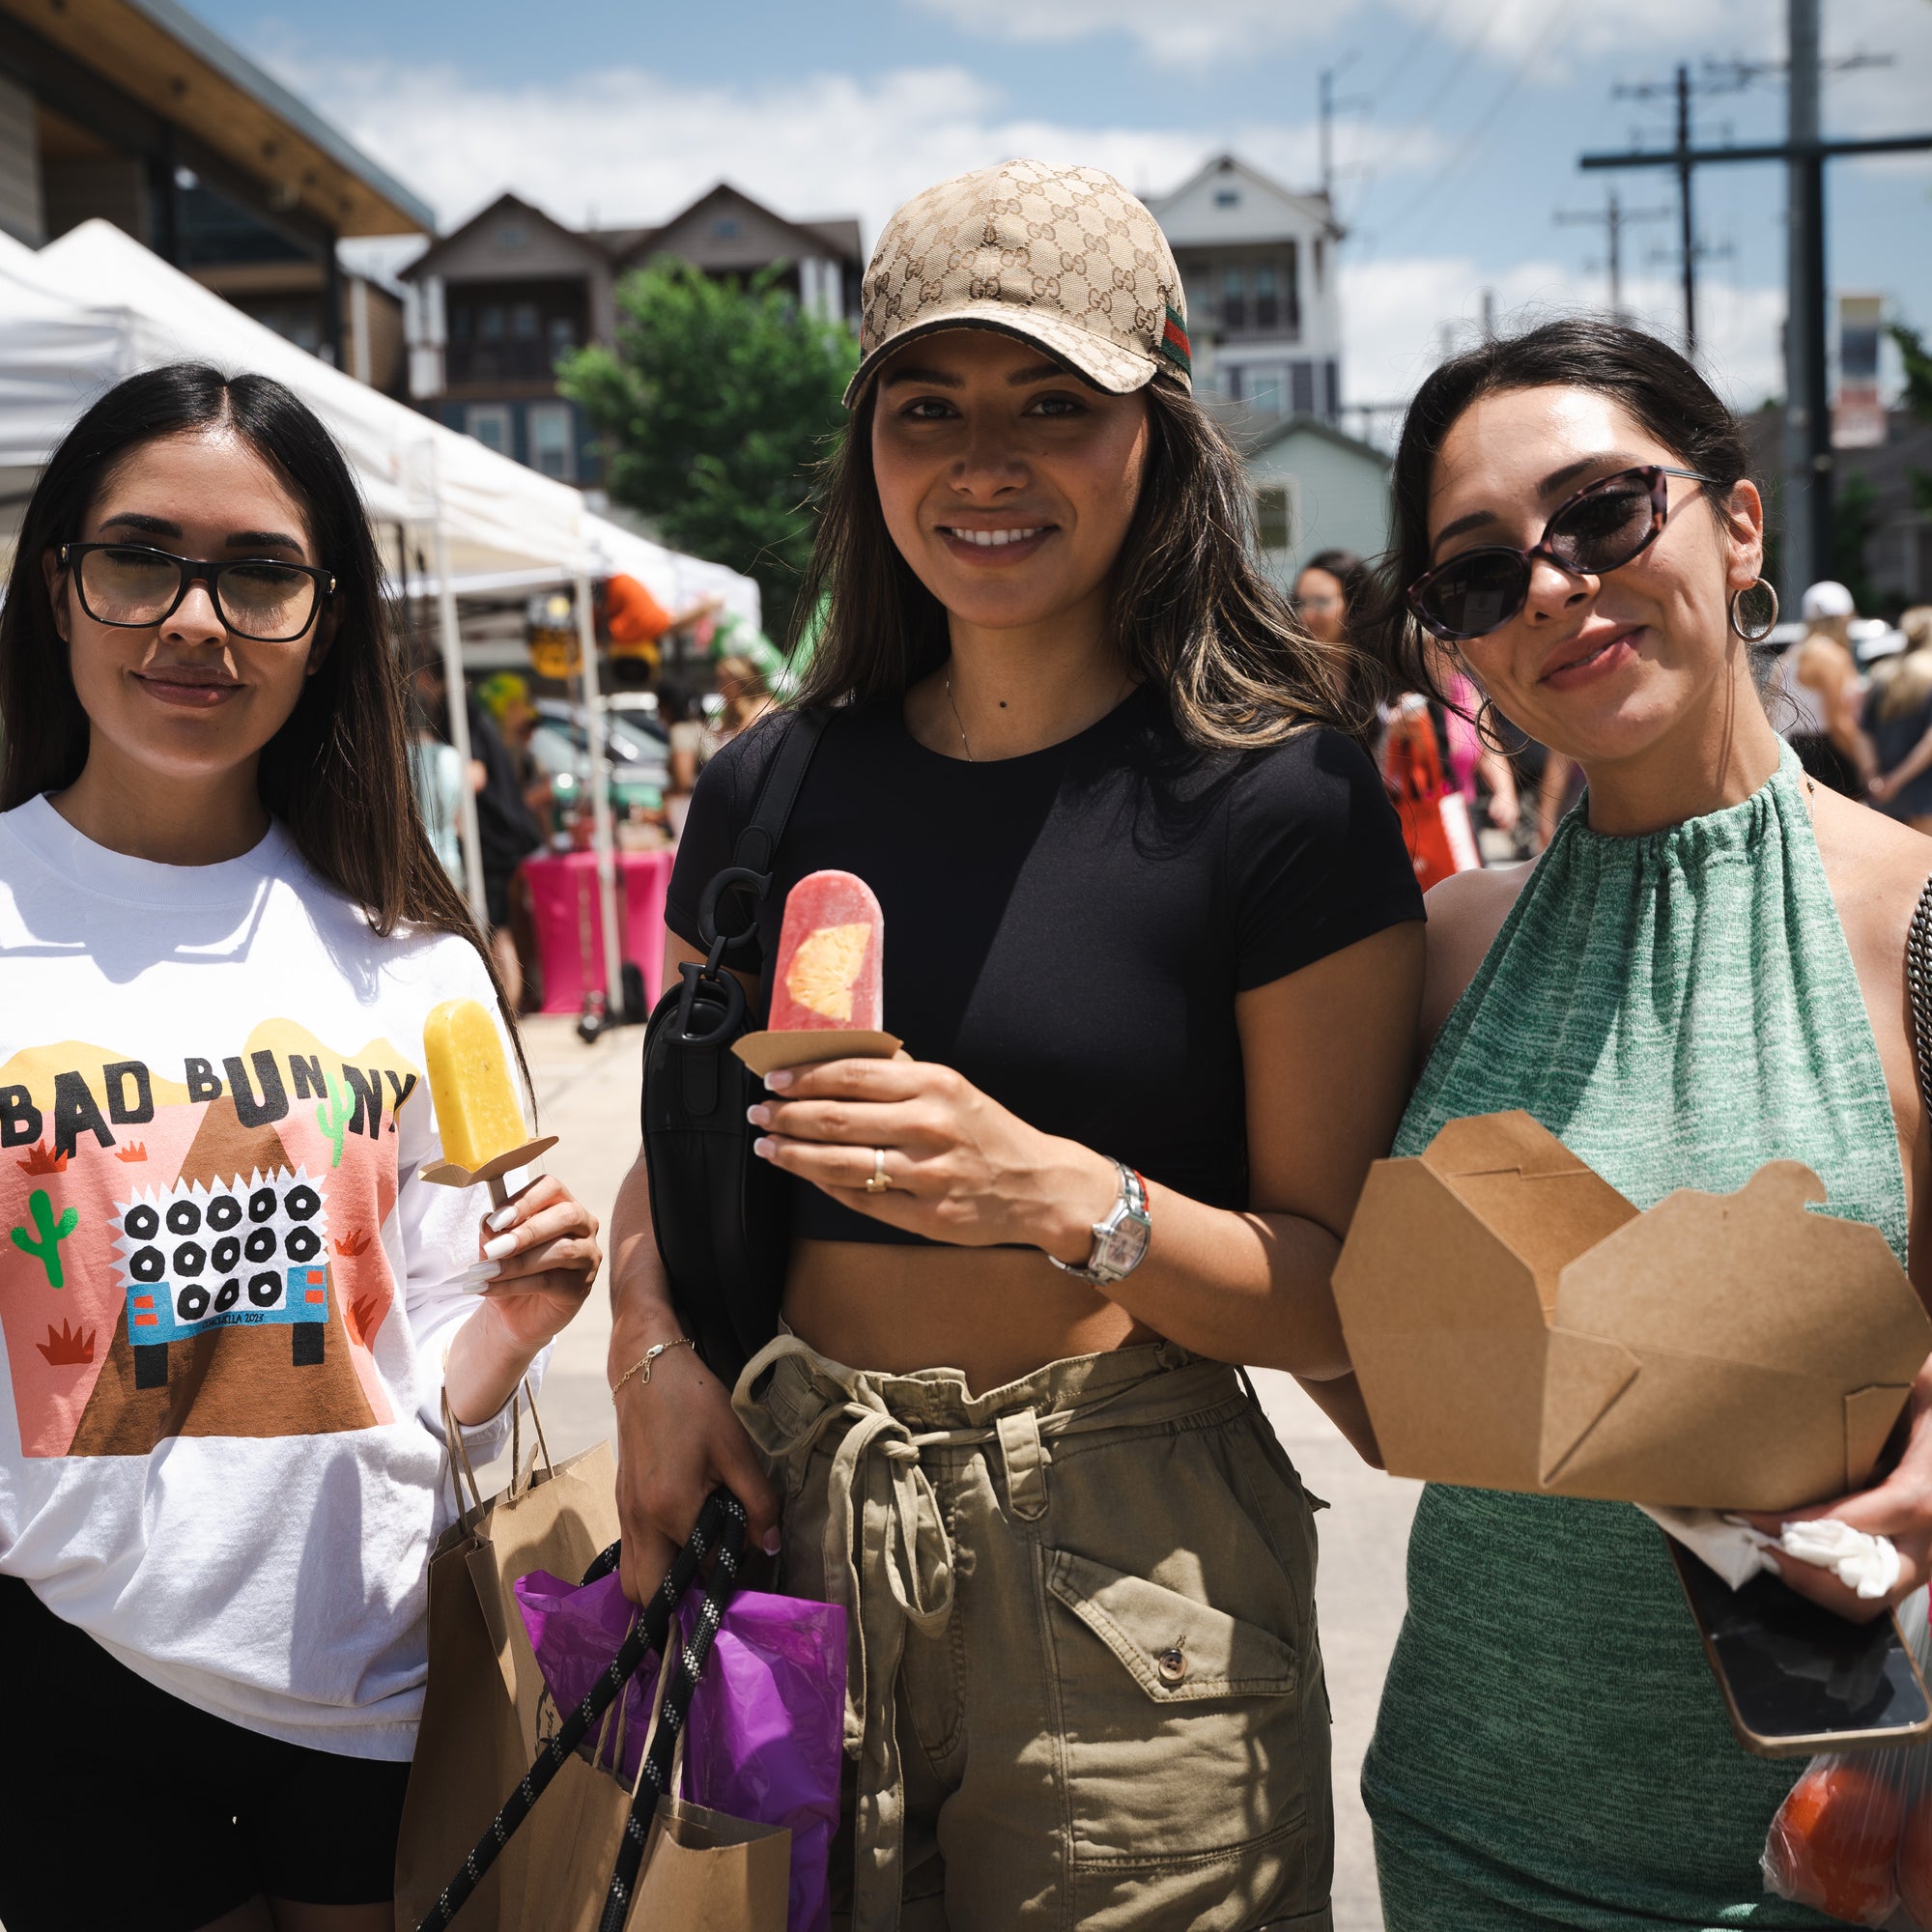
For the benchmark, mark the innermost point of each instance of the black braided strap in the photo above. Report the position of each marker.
(1919, 981)
(602, 1565)
(654, 1782)
(721, 1515)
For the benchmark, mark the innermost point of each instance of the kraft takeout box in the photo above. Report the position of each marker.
(1517, 1324)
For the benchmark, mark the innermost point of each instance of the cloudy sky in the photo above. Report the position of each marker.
(1456, 150)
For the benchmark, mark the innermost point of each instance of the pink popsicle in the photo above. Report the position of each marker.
(830, 968)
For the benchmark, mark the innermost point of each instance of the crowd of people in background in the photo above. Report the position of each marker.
(1862, 729)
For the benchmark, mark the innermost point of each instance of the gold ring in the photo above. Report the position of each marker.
(876, 1182)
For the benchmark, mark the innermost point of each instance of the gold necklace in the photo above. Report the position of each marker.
(960, 721)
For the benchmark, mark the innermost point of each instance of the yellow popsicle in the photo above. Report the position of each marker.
(469, 1083)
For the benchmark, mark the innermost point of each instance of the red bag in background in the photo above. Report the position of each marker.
(1854, 1838)
(1434, 814)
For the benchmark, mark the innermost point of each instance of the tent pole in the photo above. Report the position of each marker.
(601, 836)
(457, 705)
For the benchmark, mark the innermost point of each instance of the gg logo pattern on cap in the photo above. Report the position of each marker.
(1065, 257)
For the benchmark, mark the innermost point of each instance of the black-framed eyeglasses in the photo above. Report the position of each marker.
(1603, 526)
(134, 585)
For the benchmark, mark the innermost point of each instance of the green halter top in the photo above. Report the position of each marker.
(1552, 1749)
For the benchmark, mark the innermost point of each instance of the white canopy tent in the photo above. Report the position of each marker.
(95, 306)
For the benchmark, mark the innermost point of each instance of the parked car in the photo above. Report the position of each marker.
(637, 754)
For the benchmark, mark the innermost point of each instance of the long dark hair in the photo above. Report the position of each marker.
(1191, 612)
(337, 772)
(1656, 387)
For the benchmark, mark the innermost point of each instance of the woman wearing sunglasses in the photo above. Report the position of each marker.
(235, 1317)
(1704, 972)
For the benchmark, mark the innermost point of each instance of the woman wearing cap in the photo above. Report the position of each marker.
(1153, 946)
(1824, 692)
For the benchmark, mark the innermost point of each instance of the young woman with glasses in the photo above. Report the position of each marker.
(1704, 972)
(235, 1317)
(1150, 939)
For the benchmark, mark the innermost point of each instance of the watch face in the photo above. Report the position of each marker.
(1119, 1250)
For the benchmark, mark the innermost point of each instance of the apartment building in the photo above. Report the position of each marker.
(490, 307)
(134, 111)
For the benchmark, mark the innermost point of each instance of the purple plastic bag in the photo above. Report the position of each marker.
(767, 1721)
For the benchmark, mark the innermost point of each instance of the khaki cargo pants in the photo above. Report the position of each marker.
(1084, 1689)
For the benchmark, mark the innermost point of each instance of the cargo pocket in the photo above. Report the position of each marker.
(1182, 1737)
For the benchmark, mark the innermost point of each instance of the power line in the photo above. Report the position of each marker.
(1485, 123)
(1612, 217)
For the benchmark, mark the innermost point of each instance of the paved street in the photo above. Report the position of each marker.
(588, 1097)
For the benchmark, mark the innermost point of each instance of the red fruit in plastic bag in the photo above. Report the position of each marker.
(1834, 1843)
(1915, 1864)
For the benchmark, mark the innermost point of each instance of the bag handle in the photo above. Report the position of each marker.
(721, 1529)
(658, 1774)
(462, 1470)
(757, 844)
(1919, 983)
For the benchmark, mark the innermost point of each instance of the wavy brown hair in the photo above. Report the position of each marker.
(337, 772)
(1191, 611)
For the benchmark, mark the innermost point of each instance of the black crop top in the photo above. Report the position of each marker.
(1068, 929)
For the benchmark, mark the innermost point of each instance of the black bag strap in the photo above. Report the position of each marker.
(1919, 981)
(720, 1527)
(757, 844)
(654, 1779)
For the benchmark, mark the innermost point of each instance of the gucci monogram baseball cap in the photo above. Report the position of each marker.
(1063, 257)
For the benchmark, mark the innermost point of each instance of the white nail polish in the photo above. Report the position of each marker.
(502, 1218)
(771, 1543)
(475, 1277)
(503, 1245)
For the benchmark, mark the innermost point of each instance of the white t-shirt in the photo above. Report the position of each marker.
(227, 1298)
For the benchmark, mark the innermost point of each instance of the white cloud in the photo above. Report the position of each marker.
(631, 146)
(1395, 310)
(1204, 32)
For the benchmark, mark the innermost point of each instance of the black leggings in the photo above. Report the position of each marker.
(130, 1811)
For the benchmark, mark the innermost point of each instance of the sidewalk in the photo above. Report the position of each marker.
(588, 1097)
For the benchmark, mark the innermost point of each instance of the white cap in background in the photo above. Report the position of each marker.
(1827, 599)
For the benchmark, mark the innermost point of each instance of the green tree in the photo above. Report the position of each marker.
(1854, 521)
(713, 406)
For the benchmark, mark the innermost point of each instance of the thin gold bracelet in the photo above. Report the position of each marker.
(648, 1360)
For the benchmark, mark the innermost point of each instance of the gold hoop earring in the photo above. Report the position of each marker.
(1757, 634)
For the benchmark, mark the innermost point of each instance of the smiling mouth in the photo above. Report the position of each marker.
(1589, 656)
(992, 539)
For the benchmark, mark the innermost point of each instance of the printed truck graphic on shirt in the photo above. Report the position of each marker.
(194, 1248)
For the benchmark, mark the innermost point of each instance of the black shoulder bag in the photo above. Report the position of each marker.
(718, 1210)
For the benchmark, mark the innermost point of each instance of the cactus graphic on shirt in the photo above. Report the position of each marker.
(335, 1118)
(52, 1233)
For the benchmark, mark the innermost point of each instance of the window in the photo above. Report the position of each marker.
(553, 445)
(1267, 304)
(1331, 389)
(1273, 525)
(1234, 299)
(1317, 265)
(489, 424)
(1301, 376)
(1226, 197)
(490, 323)
(1290, 294)
(726, 228)
(524, 321)
(562, 336)
(512, 235)
(1262, 387)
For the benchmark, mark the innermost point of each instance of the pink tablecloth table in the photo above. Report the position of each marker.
(570, 925)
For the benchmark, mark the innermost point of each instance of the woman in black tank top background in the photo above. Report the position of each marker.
(1153, 941)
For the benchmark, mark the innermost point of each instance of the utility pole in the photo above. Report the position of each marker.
(1804, 151)
(1612, 217)
(1687, 219)
(1808, 415)
(1330, 106)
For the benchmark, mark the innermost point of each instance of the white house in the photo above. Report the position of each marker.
(1257, 262)
(1316, 489)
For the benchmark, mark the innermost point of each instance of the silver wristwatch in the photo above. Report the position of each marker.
(1121, 1241)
